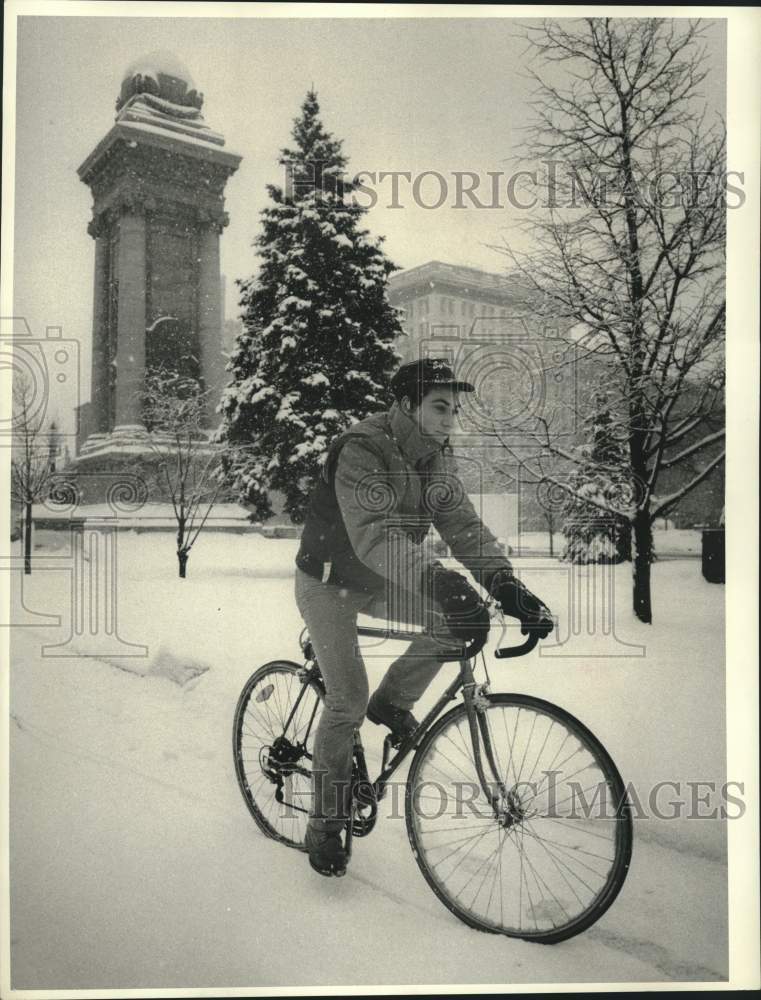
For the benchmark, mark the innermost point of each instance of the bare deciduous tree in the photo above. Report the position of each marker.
(187, 463)
(33, 456)
(631, 246)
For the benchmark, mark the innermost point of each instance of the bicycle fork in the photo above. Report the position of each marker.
(476, 704)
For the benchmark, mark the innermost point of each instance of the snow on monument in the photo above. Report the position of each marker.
(157, 179)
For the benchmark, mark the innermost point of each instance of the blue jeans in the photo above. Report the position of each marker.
(330, 614)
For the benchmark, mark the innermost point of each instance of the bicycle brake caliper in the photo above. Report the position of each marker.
(480, 697)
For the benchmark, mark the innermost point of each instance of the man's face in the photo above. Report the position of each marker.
(436, 414)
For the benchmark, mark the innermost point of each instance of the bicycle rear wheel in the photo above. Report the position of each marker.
(555, 855)
(273, 734)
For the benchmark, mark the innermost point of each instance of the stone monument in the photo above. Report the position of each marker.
(157, 179)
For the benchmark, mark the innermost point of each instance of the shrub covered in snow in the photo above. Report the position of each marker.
(597, 528)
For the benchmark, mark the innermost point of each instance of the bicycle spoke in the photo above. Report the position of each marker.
(574, 851)
(573, 794)
(456, 766)
(476, 838)
(270, 702)
(476, 826)
(541, 751)
(563, 875)
(540, 882)
(580, 819)
(533, 880)
(253, 714)
(457, 840)
(528, 744)
(483, 864)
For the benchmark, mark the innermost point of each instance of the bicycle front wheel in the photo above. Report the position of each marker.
(275, 723)
(549, 856)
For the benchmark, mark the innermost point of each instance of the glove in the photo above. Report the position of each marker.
(517, 601)
(465, 614)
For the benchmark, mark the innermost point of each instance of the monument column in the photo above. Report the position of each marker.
(157, 179)
(209, 312)
(100, 359)
(130, 337)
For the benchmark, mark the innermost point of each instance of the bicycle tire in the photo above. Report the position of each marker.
(275, 686)
(527, 841)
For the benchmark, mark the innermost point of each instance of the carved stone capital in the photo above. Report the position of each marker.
(212, 218)
(98, 225)
(131, 202)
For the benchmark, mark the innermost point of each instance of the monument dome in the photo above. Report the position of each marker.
(162, 75)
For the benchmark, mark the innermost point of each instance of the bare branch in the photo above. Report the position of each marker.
(668, 463)
(674, 498)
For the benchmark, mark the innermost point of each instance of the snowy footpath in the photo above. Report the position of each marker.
(135, 864)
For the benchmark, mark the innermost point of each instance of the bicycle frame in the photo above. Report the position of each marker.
(578, 889)
(494, 791)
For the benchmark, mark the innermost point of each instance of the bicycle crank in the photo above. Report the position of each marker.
(364, 808)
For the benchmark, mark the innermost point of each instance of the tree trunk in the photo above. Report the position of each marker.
(623, 540)
(643, 546)
(28, 538)
(182, 551)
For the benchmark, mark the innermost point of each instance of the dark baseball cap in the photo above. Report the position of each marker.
(426, 373)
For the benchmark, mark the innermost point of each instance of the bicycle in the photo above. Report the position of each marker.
(517, 759)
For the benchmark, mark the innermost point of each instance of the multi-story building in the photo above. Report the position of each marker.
(437, 297)
(490, 328)
(493, 329)
(528, 381)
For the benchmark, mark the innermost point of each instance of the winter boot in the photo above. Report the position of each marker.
(327, 854)
(400, 721)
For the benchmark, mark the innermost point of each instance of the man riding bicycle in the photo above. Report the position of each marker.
(384, 483)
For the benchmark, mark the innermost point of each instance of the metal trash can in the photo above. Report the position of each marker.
(713, 555)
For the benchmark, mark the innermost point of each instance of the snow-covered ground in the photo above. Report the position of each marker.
(667, 543)
(134, 862)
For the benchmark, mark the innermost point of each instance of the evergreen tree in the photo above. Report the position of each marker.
(601, 484)
(317, 346)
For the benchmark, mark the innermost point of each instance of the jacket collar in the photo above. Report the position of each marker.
(414, 446)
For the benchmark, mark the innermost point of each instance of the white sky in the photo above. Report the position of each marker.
(415, 95)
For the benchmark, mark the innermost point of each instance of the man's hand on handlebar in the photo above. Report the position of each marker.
(465, 614)
(516, 600)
